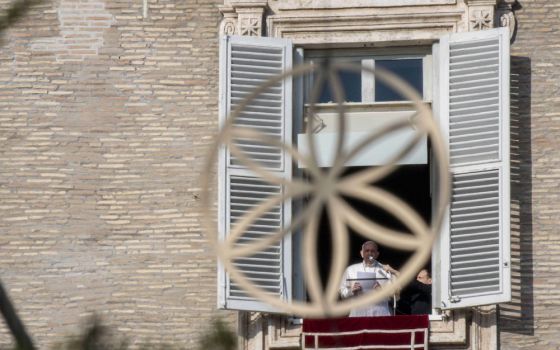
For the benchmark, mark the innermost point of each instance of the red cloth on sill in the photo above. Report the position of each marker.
(348, 324)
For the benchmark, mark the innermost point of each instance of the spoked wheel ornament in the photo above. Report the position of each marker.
(327, 190)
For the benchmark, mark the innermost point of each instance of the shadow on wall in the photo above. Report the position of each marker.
(517, 316)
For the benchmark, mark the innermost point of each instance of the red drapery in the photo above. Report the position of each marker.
(361, 332)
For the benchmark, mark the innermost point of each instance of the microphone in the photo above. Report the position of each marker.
(371, 259)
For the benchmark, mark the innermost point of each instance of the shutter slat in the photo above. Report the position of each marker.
(466, 86)
(483, 115)
(251, 107)
(468, 237)
(473, 277)
(473, 271)
(469, 134)
(475, 95)
(484, 247)
(467, 263)
(475, 242)
(459, 73)
(258, 260)
(473, 63)
(240, 79)
(488, 206)
(459, 48)
(477, 282)
(240, 65)
(473, 109)
(480, 54)
(474, 106)
(458, 217)
(473, 128)
(478, 155)
(259, 115)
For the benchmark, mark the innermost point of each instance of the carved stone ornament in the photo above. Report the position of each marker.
(229, 26)
(480, 19)
(250, 26)
(505, 16)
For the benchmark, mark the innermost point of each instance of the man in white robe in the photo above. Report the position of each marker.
(350, 285)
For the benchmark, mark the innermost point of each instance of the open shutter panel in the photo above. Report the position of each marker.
(247, 63)
(474, 110)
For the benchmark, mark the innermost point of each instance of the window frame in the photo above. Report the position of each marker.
(296, 101)
(368, 56)
(418, 51)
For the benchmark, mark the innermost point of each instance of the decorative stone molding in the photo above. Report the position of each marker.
(283, 334)
(450, 330)
(250, 21)
(483, 328)
(321, 4)
(505, 16)
(481, 14)
(275, 332)
(481, 18)
(393, 28)
(243, 17)
(228, 26)
(481, 2)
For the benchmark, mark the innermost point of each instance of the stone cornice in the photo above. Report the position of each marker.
(248, 4)
(355, 29)
(481, 2)
(288, 5)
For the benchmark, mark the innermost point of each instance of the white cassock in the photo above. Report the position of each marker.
(379, 309)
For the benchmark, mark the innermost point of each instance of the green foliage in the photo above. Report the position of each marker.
(97, 336)
(219, 338)
(17, 10)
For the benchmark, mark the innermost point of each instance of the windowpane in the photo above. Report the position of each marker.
(410, 70)
(351, 85)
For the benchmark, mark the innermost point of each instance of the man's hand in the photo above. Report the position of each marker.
(356, 288)
(388, 268)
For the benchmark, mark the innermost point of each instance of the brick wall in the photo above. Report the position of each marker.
(104, 118)
(532, 320)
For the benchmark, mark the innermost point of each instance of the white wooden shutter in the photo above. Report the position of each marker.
(245, 64)
(474, 114)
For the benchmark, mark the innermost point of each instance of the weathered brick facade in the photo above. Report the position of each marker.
(104, 120)
(532, 321)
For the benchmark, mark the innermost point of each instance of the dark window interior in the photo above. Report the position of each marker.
(409, 70)
(411, 184)
(351, 84)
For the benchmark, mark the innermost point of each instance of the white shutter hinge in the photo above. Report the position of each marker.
(454, 299)
(318, 124)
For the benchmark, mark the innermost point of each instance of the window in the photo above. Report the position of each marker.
(411, 65)
(471, 72)
(370, 104)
